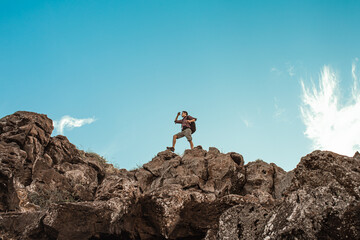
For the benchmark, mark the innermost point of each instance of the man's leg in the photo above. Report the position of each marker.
(189, 138)
(174, 140)
(191, 144)
(176, 136)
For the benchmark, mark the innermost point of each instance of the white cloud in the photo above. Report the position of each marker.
(275, 70)
(247, 122)
(329, 125)
(291, 70)
(353, 72)
(70, 122)
(278, 110)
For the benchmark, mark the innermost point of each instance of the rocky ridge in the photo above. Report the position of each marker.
(52, 190)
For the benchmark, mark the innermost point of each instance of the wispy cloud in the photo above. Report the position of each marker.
(329, 125)
(247, 122)
(276, 71)
(279, 112)
(291, 70)
(355, 86)
(67, 122)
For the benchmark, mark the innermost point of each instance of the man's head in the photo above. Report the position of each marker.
(184, 113)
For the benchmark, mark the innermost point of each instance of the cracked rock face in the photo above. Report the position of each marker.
(52, 190)
(322, 200)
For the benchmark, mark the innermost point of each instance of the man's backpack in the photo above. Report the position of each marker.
(192, 127)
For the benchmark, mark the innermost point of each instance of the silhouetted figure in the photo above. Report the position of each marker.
(185, 129)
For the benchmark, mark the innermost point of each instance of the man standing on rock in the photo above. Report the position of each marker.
(185, 130)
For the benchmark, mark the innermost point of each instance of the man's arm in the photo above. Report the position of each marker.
(177, 121)
(191, 119)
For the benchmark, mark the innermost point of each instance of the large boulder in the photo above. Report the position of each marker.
(265, 181)
(12, 159)
(246, 220)
(22, 225)
(171, 212)
(31, 131)
(64, 173)
(37, 170)
(178, 191)
(83, 220)
(322, 201)
(211, 172)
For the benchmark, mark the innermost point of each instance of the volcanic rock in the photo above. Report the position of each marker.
(52, 190)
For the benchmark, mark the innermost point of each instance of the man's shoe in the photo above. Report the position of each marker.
(171, 148)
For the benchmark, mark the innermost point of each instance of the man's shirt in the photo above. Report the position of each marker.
(184, 123)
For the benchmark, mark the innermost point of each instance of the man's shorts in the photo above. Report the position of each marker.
(186, 132)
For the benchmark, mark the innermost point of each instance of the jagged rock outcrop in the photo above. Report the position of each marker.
(52, 190)
(322, 201)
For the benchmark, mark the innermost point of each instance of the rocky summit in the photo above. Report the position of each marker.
(52, 190)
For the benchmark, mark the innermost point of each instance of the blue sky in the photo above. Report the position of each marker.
(132, 65)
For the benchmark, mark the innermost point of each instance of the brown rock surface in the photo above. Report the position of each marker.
(322, 201)
(31, 131)
(52, 190)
